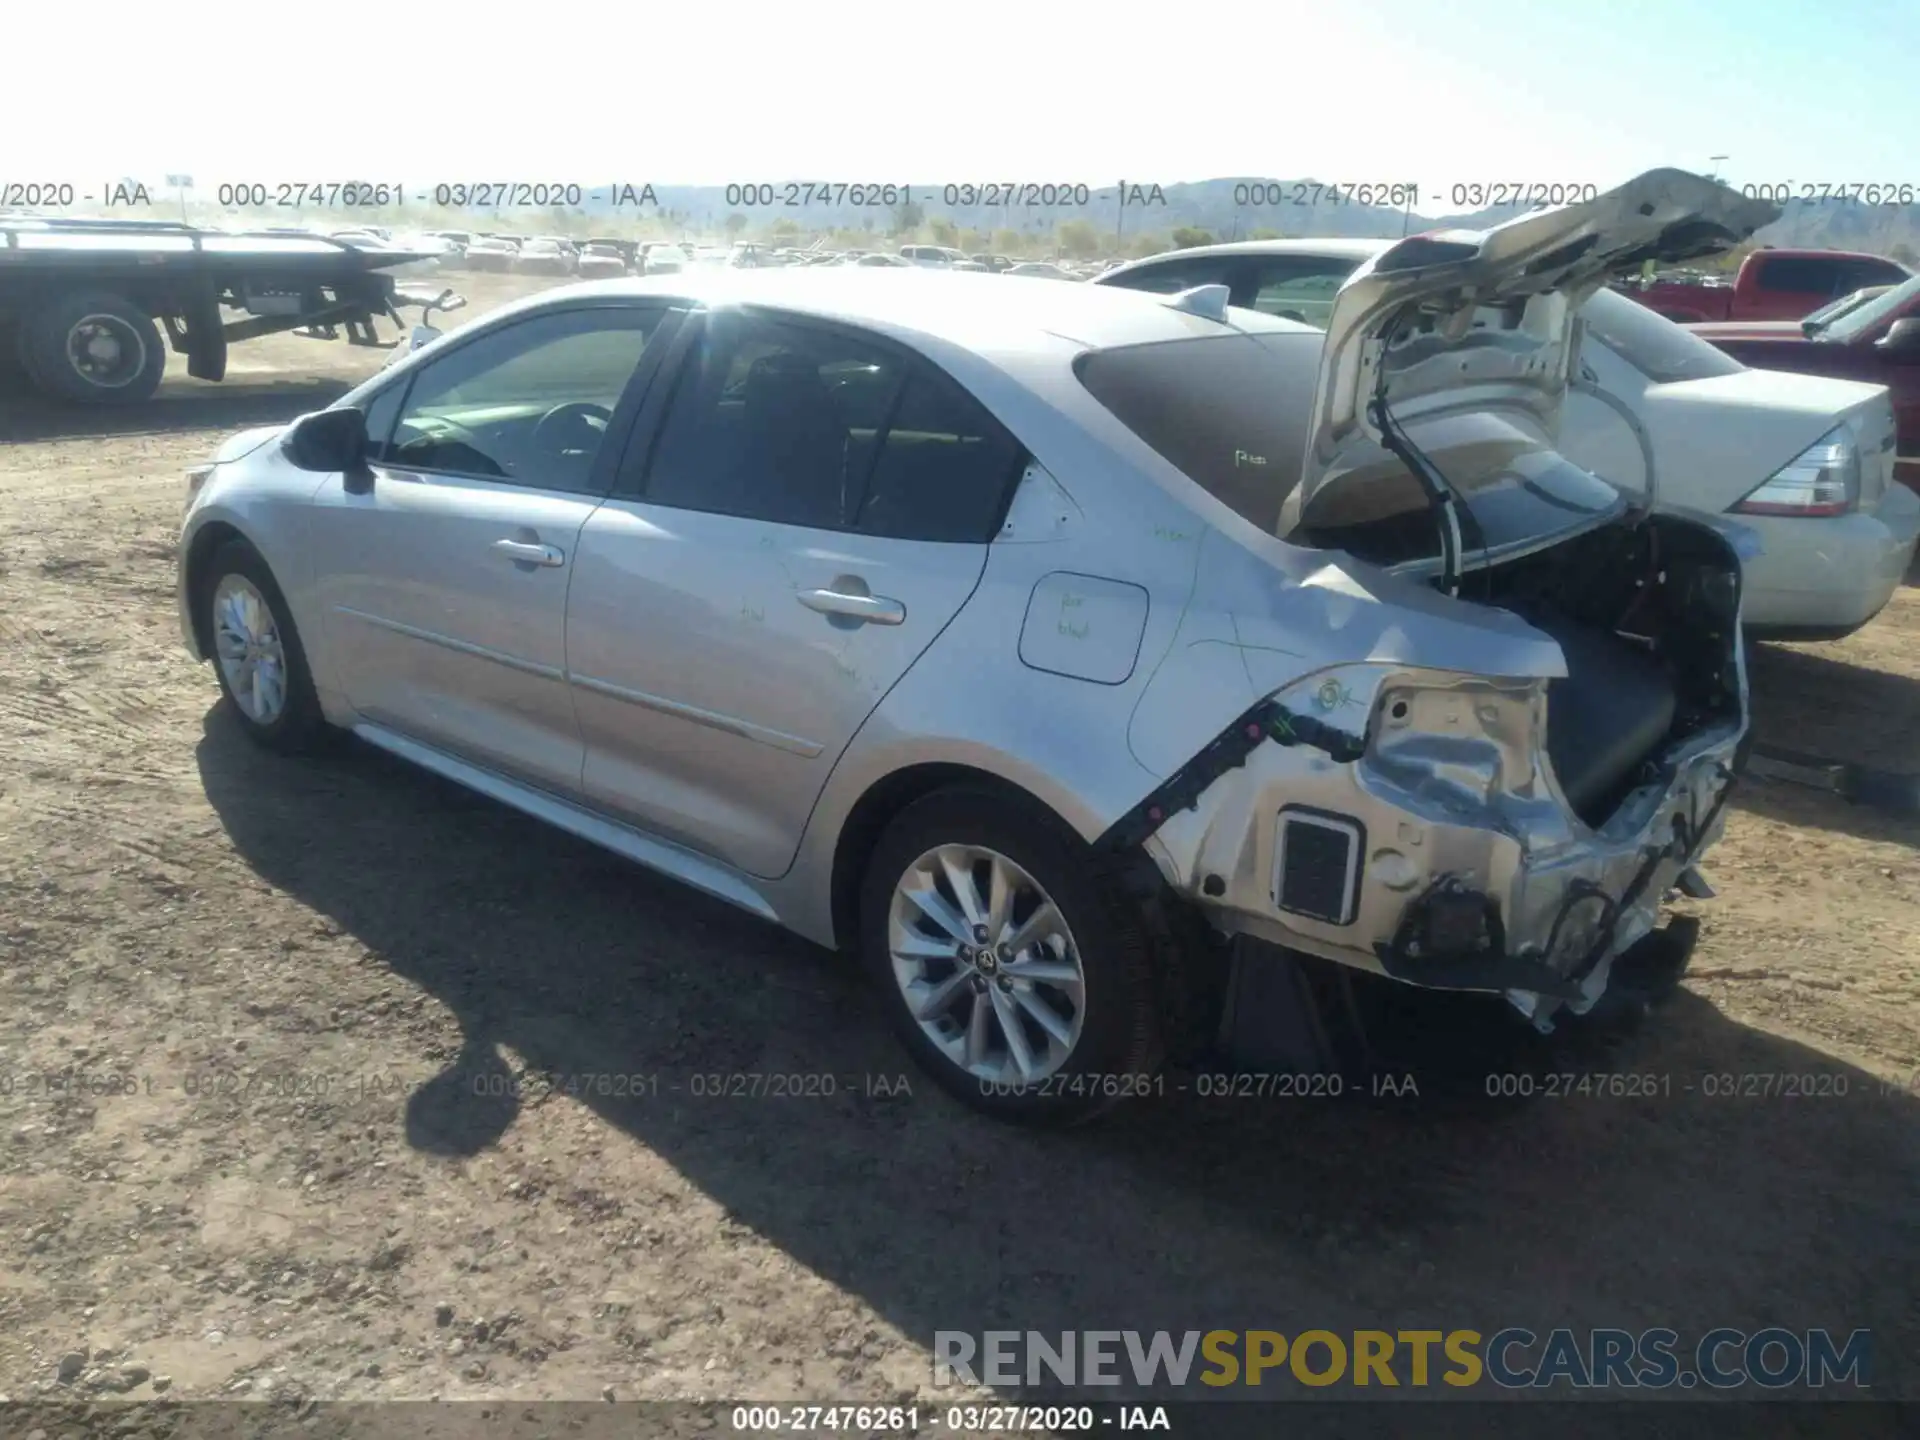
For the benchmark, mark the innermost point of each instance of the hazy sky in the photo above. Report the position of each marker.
(851, 91)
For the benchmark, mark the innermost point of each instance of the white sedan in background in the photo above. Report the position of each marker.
(1041, 269)
(490, 253)
(663, 259)
(601, 260)
(1804, 461)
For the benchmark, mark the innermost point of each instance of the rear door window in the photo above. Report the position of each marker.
(945, 467)
(813, 426)
(762, 423)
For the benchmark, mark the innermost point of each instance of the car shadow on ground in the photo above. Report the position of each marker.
(232, 406)
(1815, 703)
(1810, 707)
(1806, 805)
(1701, 1202)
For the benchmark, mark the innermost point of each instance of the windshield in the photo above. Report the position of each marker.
(1659, 349)
(1870, 315)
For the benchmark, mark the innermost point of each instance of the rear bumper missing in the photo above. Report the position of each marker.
(1463, 867)
(1290, 1015)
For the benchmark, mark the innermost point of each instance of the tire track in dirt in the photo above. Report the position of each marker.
(88, 685)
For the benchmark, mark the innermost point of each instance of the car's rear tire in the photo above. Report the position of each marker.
(1021, 1014)
(95, 347)
(256, 651)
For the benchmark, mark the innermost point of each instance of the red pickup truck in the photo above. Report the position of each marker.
(1771, 285)
(1877, 341)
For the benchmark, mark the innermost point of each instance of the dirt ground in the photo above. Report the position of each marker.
(330, 1030)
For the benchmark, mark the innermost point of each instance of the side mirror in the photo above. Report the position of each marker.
(329, 442)
(1902, 339)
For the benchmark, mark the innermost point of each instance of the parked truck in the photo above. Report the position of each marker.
(89, 308)
(1772, 284)
(1876, 340)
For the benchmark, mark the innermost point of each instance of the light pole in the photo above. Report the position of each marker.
(1712, 162)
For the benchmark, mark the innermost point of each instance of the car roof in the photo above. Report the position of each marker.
(984, 313)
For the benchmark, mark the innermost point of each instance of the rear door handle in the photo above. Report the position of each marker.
(523, 552)
(877, 609)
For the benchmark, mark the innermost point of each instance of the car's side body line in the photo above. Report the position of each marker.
(745, 729)
(448, 642)
(703, 874)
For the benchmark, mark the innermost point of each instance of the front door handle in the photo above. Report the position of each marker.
(876, 609)
(523, 552)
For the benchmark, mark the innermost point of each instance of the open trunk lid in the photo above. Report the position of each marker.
(1450, 353)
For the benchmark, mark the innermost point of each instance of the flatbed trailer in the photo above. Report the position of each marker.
(84, 303)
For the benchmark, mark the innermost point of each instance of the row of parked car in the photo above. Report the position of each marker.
(606, 257)
(945, 257)
(590, 259)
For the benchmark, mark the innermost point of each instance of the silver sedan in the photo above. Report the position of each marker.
(1099, 667)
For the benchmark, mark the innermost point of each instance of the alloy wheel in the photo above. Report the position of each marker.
(252, 657)
(986, 964)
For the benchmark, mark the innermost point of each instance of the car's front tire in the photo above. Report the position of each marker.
(256, 651)
(1013, 965)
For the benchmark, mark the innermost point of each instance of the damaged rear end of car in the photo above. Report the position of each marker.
(1413, 820)
(1503, 706)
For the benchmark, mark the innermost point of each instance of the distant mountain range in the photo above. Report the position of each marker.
(1236, 207)
(1228, 208)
